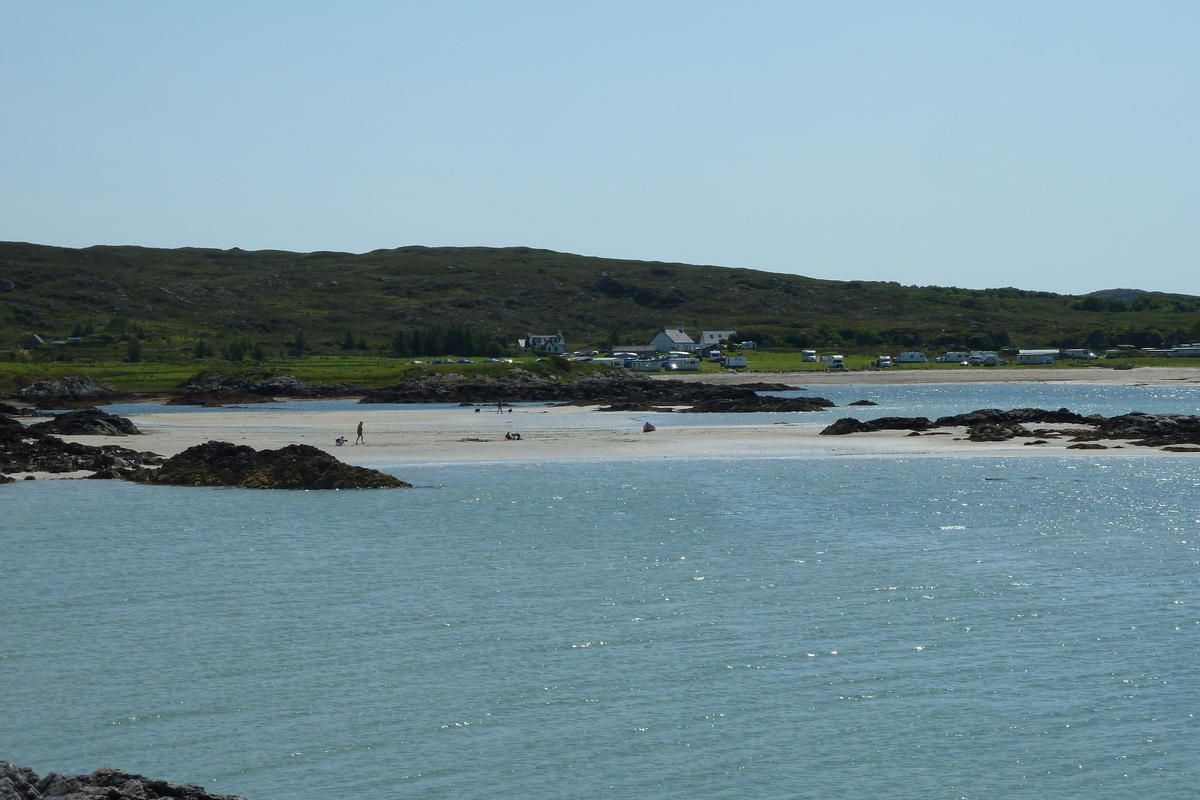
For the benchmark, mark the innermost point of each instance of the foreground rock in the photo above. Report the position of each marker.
(616, 388)
(1176, 432)
(22, 783)
(27, 449)
(87, 422)
(296, 466)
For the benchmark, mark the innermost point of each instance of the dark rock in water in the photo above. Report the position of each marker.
(87, 422)
(847, 425)
(864, 403)
(296, 466)
(6, 479)
(1154, 430)
(634, 407)
(22, 783)
(994, 425)
(1087, 446)
(759, 404)
(64, 392)
(1017, 415)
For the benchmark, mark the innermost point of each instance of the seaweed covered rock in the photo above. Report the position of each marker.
(996, 431)
(22, 783)
(1154, 430)
(759, 403)
(296, 466)
(24, 449)
(995, 416)
(847, 425)
(87, 422)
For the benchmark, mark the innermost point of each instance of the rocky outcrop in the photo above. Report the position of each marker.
(759, 403)
(1176, 432)
(1154, 430)
(847, 425)
(1025, 416)
(594, 389)
(296, 466)
(215, 388)
(22, 783)
(64, 392)
(87, 422)
(26, 449)
(997, 431)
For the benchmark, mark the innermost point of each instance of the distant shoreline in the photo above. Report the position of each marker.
(1150, 376)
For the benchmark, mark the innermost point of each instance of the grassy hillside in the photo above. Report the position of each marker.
(183, 303)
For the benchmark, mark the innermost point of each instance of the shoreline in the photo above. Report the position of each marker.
(1148, 376)
(402, 439)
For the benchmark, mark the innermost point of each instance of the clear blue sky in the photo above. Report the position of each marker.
(1044, 145)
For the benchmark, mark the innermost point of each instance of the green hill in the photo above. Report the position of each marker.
(171, 300)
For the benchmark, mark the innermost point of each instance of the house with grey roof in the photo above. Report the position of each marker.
(669, 339)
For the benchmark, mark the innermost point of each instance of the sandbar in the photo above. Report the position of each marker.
(558, 433)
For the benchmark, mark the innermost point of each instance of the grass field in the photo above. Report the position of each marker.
(375, 372)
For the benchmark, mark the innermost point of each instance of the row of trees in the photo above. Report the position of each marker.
(460, 340)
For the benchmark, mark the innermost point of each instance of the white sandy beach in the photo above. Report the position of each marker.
(548, 434)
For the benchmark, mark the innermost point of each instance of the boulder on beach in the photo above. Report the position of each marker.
(847, 425)
(296, 466)
(87, 422)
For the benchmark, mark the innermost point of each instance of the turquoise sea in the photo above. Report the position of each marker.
(851, 627)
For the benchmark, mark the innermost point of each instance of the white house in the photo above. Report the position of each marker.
(543, 343)
(669, 339)
(711, 338)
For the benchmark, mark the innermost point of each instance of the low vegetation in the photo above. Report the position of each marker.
(151, 317)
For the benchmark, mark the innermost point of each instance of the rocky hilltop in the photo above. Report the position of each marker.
(22, 783)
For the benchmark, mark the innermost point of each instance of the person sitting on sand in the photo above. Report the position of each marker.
(341, 440)
(508, 436)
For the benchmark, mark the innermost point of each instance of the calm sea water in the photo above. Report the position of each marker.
(808, 628)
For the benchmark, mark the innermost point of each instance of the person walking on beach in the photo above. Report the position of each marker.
(360, 439)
